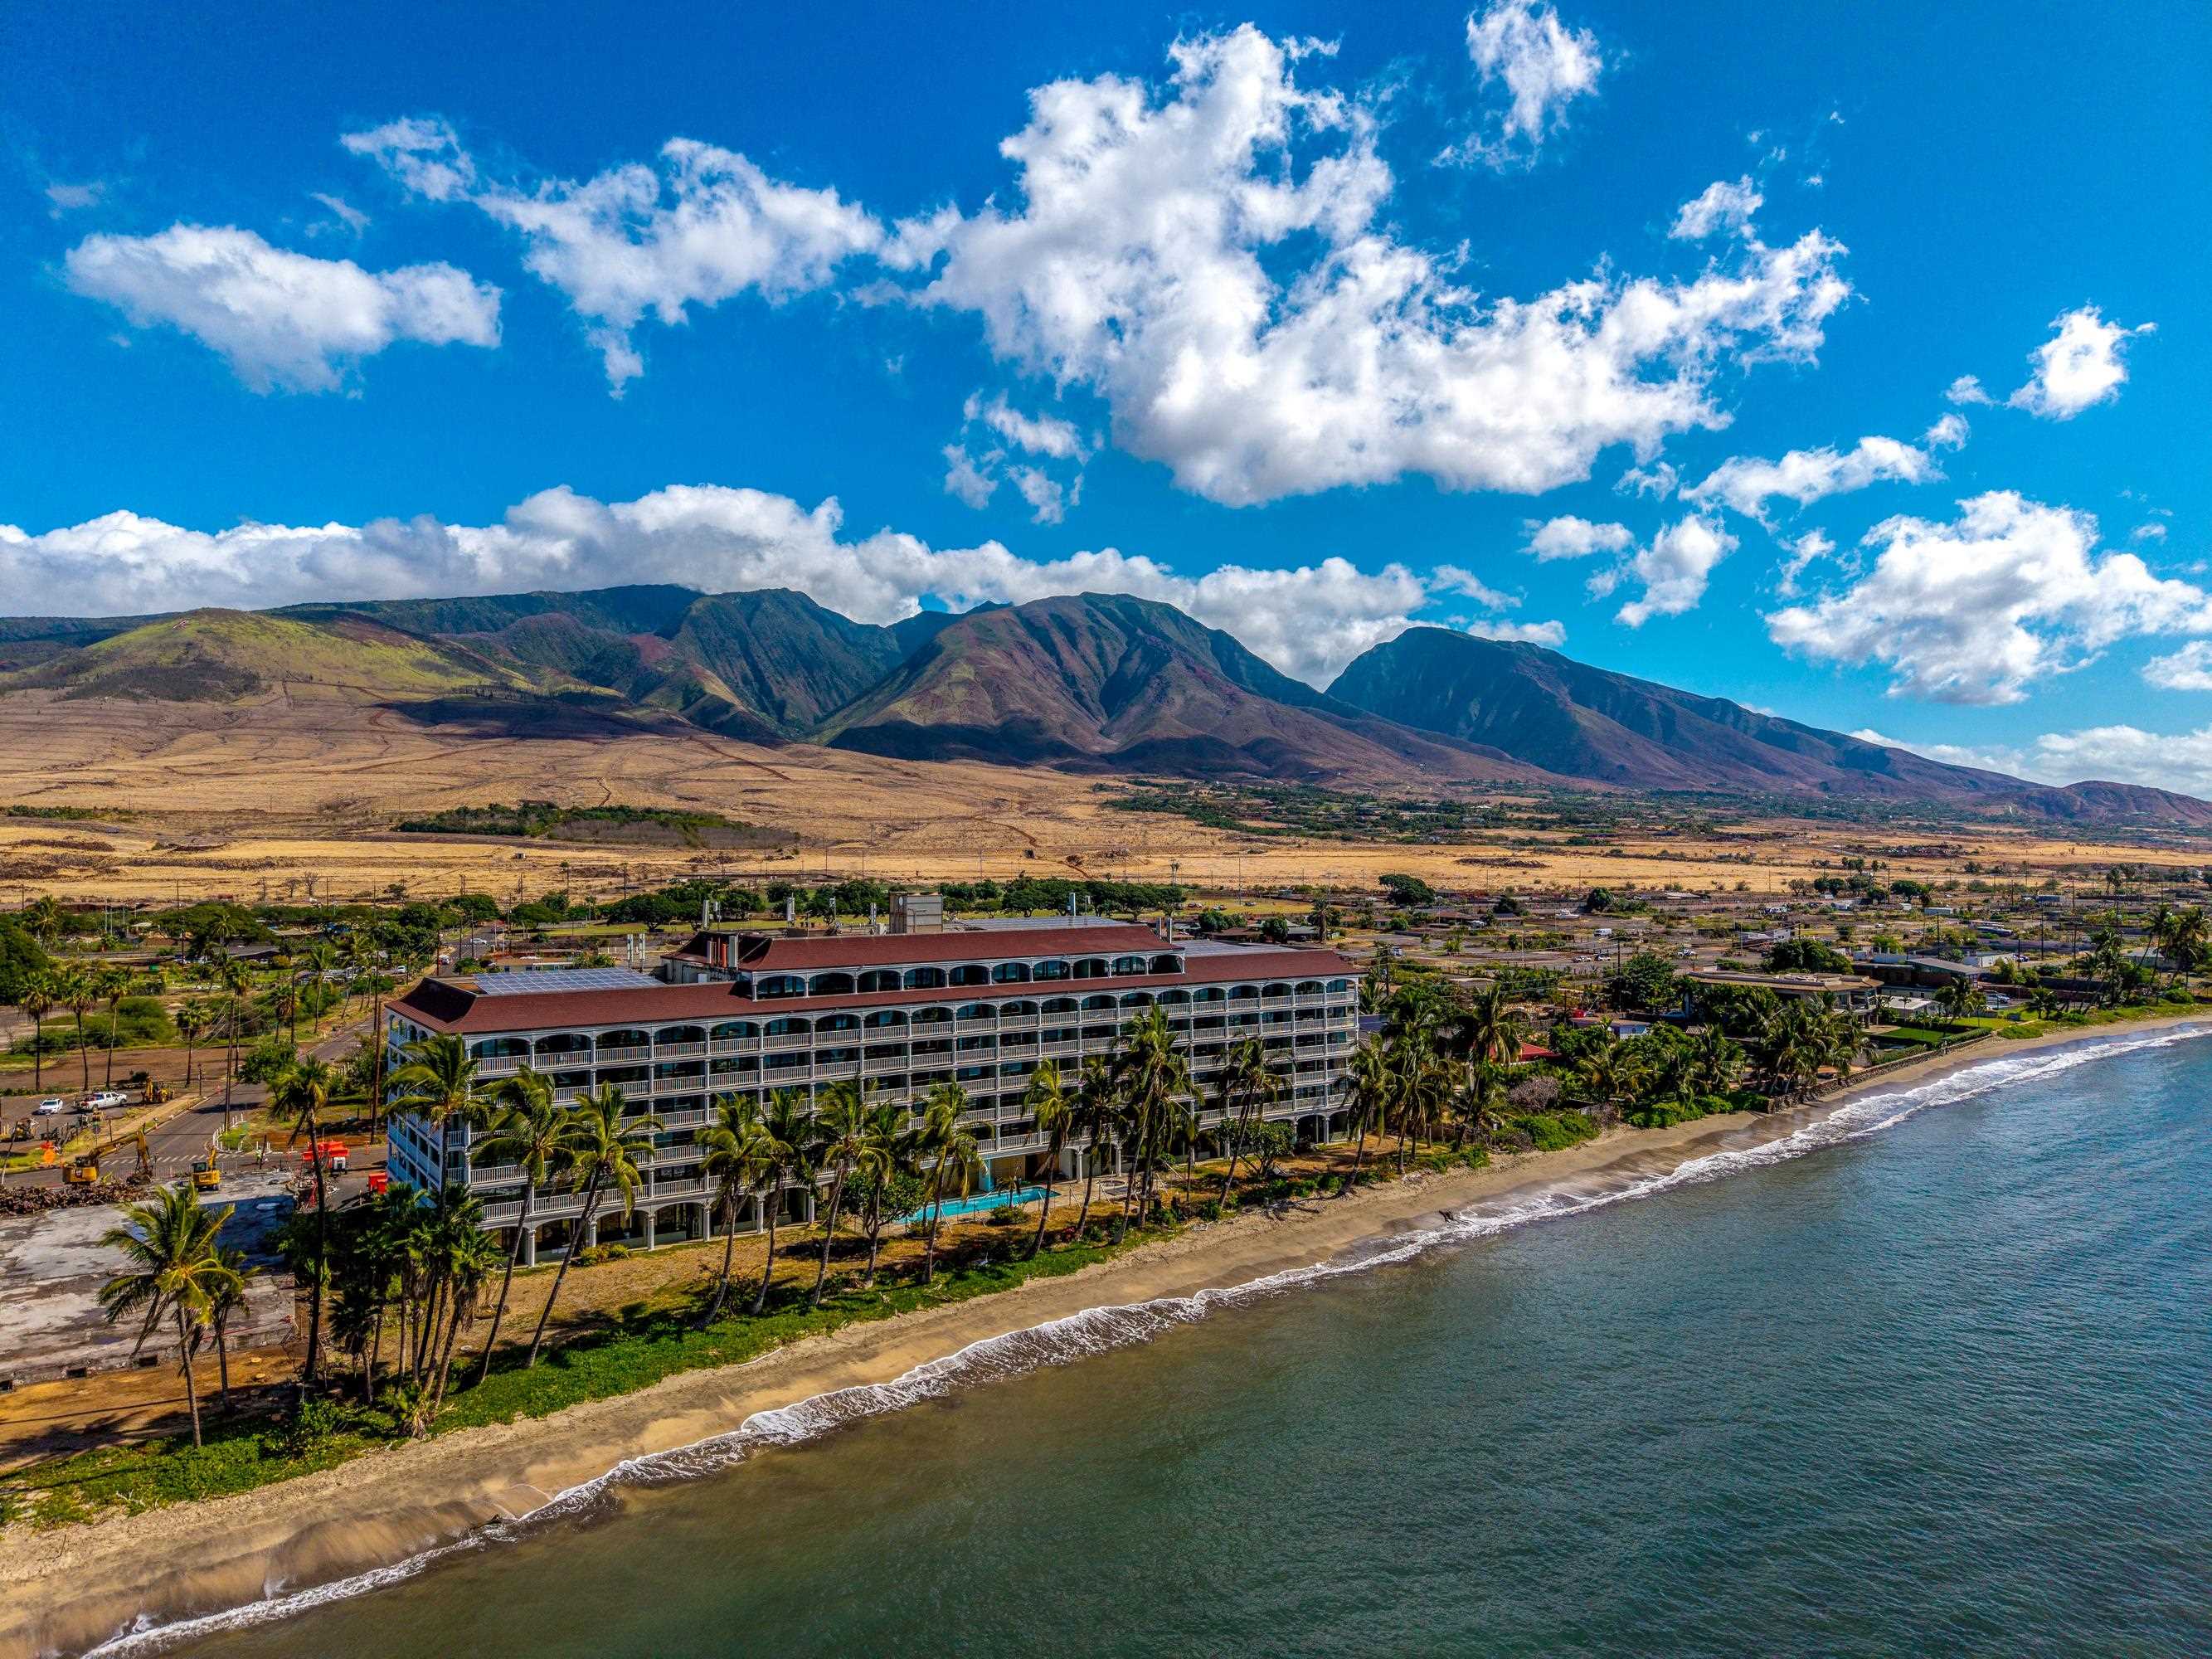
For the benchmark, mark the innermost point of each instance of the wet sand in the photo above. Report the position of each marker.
(64, 1591)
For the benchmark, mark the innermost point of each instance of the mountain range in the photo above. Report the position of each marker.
(1092, 682)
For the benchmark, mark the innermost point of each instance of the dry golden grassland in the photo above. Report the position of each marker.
(263, 798)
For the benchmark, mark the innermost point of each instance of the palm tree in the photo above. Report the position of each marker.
(193, 1021)
(43, 919)
(528, 1133)
(176, 1270)
(227, 1296)
(1715, 1060)
(461, 1257)
(889, 1153)
(1606, 1070)
(235, 982)
(1248, 1084)
(736, 1160)
(1374, 1083)
(1480, 1094)
(598, 1148)
(440, 1085)
(1098, 1110)
(840, 1136)
(1488, 1028)
(1046, 1102)
(37, 998)
(1154, 1074)
(956, 1157)
(783, 1151)
(77, 991)
(321, 959)
(303, 1094)
(114, 984)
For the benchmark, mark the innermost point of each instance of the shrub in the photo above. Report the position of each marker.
(1555, 1131)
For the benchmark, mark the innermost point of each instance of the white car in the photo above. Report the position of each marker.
(51, 1106)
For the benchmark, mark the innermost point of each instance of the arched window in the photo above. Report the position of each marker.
(925, 979)
(1244, 994)
(932, 1016)
(1091, 967)
(1279, 989)
(1099, 1001)
(838, 1023)
(1338, 987)
(564, 1042)
(780, 984)
(1010, 973)
(1176, 998)
(971, 973)
(1210, 993)
(622, 1040)
(879, 979)
(730, 1029)
(1137, 999)
(500, 1048)
(884, 1017)
(1129, 964)
(1016, 1010)
(830, 985)
(1309, 988)
(1050, 968)
(1167, 964)
(1059, 1005)
(978, 1010)
(789, 1025)
(680, 1034)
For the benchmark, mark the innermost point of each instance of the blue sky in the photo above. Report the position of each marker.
(1312, 320)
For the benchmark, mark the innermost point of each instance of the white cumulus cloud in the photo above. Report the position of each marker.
(1746, 483)
(1543, 64)
(1211, 258)
(702, 226)
(2082, 364)
(1309, 621)
(1550, 633)
(2188, 669)
(1674, 571)
(2180, 761)
(1975, 609)
(280, 318)
(1967, 389)
(1720, 206)
(1570, 537)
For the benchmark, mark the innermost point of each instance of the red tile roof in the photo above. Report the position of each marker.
(447, 1005)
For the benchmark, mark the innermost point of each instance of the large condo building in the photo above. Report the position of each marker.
(982, 1005)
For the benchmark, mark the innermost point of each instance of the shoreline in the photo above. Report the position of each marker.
(71, 1590)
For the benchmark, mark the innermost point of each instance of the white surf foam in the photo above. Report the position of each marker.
(1103, 1329)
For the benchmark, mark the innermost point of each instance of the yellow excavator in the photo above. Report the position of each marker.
(84, 1170)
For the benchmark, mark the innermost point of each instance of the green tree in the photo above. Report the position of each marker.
(36, 997)
(1097, 1113)
(949, 1146)
(78, 991)
(599, 1149)
(175, 1272)
(840, 1136)
(789, 1127)
(1247, 1085)
(304, 1094)
(733, 1159)
(1374, 1085)
(1049, 1107)
(527, 1132)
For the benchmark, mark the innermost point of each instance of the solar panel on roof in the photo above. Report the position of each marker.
(523, 982)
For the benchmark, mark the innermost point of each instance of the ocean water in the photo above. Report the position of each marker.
(1934, 1377)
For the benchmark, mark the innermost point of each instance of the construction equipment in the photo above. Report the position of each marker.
(84, 1170)
(205, 1176)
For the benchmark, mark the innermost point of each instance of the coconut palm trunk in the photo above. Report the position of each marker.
(575, 1243)
(185, 1346)
(522, 1234)
(772, 1203)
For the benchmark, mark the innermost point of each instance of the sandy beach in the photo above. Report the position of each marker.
(67, 1590)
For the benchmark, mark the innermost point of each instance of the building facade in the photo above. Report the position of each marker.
(748, 1014)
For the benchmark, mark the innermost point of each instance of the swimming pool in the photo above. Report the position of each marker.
(976, 1202)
